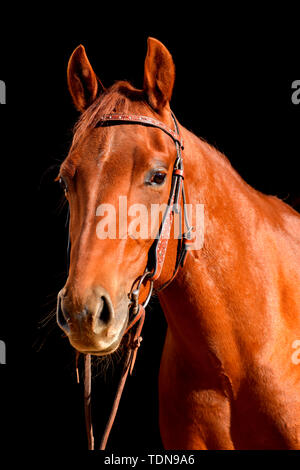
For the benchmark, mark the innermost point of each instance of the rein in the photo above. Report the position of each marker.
(152, 272)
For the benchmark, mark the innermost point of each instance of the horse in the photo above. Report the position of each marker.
(227, 380)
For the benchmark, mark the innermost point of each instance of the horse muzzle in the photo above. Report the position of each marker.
(93, 327)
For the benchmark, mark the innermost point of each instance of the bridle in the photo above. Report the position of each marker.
(152, 272)
(156, 258)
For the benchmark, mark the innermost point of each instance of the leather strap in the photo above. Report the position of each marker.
(132, 349)
(143, 120)
(87, 400)
(135, 342)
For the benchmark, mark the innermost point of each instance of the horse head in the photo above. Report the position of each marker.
(106, 169)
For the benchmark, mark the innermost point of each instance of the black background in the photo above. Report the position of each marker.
(236, 95)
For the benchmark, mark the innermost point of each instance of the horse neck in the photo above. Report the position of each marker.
(201, 302)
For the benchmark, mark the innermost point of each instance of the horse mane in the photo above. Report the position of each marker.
(121, 97)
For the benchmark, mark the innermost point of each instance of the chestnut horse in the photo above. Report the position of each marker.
(227, 377)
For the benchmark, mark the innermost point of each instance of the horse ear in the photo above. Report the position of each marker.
(82, 81)
(159, 74)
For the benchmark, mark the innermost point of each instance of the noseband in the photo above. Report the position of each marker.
(153, 269)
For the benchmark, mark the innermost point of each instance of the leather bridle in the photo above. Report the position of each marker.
(153, 269)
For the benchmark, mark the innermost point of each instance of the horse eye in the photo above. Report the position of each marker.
(63, 184)
(158, 178)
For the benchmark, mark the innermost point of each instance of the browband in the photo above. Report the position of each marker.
(144, 120)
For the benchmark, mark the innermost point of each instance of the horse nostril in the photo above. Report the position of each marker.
(104, 312)
(61, 316)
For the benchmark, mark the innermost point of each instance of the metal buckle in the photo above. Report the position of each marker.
(135, 293)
